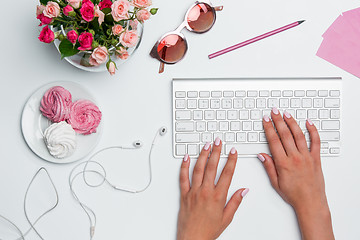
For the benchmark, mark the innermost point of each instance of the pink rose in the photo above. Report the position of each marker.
(119, 10)
(134, 24)
(72, 36)
(129, 38)
(46, 35)
(44, 20)
(142, 3)
(105, 4)
(85, 117)
(112, 68)
(122, 54)
(39, 9)
(74, 3)
(52, 10)
(87, 11)
(85, 40)
(99, 56)
(99, 14)
(68, 9)
(117, 29)
(143, 15)
(56, 103)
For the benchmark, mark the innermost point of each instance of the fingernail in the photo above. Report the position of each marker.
(233, 151)
(275, 111)
(244, 192)
(186, 157)
(207, 146)
(261, 158)
(217, 141)
(266, 118)
(287, 115)
(310, 122)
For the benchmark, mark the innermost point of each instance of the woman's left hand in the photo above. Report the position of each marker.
(204, 214)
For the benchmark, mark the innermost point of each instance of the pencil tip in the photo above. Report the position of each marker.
(300, 22)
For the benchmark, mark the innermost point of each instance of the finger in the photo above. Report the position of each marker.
(228, 172)
(297, 133)
(276, 148)
(184, 176)
(232, 206)
(270, 169)
(286, 137)
(198, 174)
(314, 138)
(212, 165)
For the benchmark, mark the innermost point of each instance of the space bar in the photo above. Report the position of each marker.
(248, 148)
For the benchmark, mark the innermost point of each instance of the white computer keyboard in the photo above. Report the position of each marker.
(232, 109)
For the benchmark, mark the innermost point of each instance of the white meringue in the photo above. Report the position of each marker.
(60, 139)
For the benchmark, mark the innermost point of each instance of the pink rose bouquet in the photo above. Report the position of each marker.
(101, 29)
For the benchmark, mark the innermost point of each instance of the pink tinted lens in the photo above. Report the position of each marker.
(201, 17)
(172, 48)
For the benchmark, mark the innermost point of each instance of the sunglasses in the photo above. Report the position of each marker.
(172, 46)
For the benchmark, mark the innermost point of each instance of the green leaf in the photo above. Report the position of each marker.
(106, 10)
(44, 2)
(153, 11)
(67, 49)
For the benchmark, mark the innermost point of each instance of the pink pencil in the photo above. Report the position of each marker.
(255, 39)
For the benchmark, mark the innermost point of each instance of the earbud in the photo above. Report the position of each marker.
(138, 144)
(163, 131)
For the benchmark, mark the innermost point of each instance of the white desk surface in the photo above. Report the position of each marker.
(137, 101)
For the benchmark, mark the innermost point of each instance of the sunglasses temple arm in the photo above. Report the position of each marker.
(219, 8)
(162, 67)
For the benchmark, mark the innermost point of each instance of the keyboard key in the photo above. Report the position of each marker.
(301, 114)
(203, 103)
(316, 123)
(299, 93)
(249, 103)
(312, 114)
(302, 125)
(295, 103)
(335, 114)
(262, 137)
(215, 103)
(209, 115)
(183, 115)
(334, 93)
(192, 149)
(235, 126)
(181, 149)
(318, 103)
(255, 114)
(226, 103)
(276, 93)
(284, 103)
(332, 103)
(233, 115)
(329, 136)
(187, 137)
(238, 103)
(335, 150)
(224, 126)
(192, 104)
(253, 137)
(311, 93)
(229, 137)
(192, 94)
(252, 94)
(324, 145)
(198, 115)
(212, 126)
(201, 126)
(180, 94)
(244, 114)
(330, 125)
(241, 137)
(323, 93)
(240, 94)
(258, 126)
(218, 135)
(180, 104)
(324, 114)
(204, 94)
(207, 137)
(264, 93)
(307, 103)
(228, 94)
(221, 115)
(273, 102)
(184, 126)
(324, 151)
(287, 93)
(247, 126)
(261, 103)
(248, 149)
(216, 94)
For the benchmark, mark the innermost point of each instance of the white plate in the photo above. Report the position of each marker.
(33, 124)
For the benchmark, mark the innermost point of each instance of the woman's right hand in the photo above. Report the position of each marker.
(295, 173)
